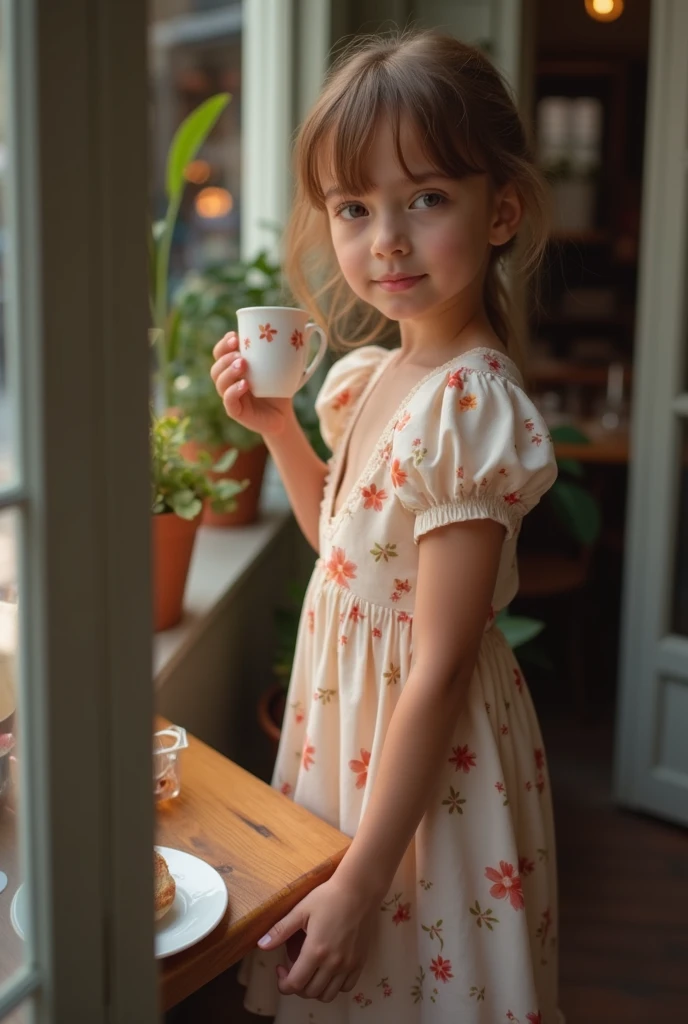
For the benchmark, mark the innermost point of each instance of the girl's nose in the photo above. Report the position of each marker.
(389, 241)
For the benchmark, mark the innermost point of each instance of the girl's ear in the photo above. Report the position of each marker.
(507, 214)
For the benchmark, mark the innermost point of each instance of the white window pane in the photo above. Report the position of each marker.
(13, 903)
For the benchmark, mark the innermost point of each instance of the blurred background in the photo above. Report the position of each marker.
(579, 69)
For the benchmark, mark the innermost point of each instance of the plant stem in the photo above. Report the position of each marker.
(161, 297)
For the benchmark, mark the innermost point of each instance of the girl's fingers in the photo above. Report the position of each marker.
(351, 980)
(319, 982)
(232, 398)
(302, 974)
(224, 362)
(221, 364)
(333, 989)
(230, 371)
(227, 344)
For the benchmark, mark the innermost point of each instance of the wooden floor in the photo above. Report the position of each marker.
(623, 897)
(623, 881)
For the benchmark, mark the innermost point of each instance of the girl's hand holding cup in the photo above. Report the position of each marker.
(259, 369)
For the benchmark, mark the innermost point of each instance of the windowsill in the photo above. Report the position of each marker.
(220, 561)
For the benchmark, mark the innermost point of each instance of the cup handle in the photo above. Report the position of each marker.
(311, 326)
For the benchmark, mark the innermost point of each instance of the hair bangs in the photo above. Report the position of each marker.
(341, 133)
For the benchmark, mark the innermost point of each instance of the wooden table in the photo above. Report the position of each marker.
(603, 447)
(269, 851)
(610, 451)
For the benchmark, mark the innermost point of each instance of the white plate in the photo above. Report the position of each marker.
(199, 904)
(18, 911)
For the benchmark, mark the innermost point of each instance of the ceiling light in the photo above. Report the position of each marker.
(604, 10)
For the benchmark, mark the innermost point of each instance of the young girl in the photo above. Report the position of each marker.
(409, 725)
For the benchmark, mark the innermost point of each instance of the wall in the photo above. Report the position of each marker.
(214, 691)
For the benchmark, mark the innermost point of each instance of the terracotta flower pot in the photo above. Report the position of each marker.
(250, 465)
(271, 712)
(173, 541)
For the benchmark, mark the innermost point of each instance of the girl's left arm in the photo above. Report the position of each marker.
(456, 577)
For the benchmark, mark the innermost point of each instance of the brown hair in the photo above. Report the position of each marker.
(425, 77)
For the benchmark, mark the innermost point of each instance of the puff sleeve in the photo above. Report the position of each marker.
(342, 387)
(470, 445)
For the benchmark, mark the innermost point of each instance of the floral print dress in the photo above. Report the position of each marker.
(467, 933)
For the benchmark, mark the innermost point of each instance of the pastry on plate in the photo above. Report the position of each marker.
(164, 885)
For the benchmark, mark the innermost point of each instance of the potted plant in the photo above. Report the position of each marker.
(204, 310)
(179, 489)
(180, 486)
(576, 509)
(271, 703)
(188, 139)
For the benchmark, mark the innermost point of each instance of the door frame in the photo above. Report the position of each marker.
(651, 655)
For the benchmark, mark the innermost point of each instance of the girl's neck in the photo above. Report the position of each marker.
(436, 340)
(461, 324)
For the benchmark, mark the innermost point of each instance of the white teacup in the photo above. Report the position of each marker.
(275, 342)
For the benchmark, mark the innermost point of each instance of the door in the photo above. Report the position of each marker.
(651, 757)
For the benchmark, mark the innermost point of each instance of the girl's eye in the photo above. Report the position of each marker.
(429, 199)
(350, 211)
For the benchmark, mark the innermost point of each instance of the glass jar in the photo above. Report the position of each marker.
(167, 747)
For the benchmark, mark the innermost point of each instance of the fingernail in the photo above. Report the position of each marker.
(265, 941)
(237, 364)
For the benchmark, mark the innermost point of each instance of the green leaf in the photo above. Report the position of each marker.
(188, 139)
(567, 434)
(531, 655)
(518, 629)
(226, 461)
(577, 510)
(185, 504)
(572, 467)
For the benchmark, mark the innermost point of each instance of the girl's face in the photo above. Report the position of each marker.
(433, 235)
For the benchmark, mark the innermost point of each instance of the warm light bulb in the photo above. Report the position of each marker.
(197, 172)
(213, 202)
(604, 10)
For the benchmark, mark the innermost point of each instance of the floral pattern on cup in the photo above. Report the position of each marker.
(267, 332)
(297, 339)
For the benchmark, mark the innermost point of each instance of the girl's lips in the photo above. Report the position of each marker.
(401, 285)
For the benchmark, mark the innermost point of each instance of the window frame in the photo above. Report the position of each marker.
(78, 199)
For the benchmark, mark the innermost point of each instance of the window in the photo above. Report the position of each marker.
(194, 53)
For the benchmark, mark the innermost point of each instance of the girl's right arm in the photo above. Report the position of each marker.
(302, 472)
